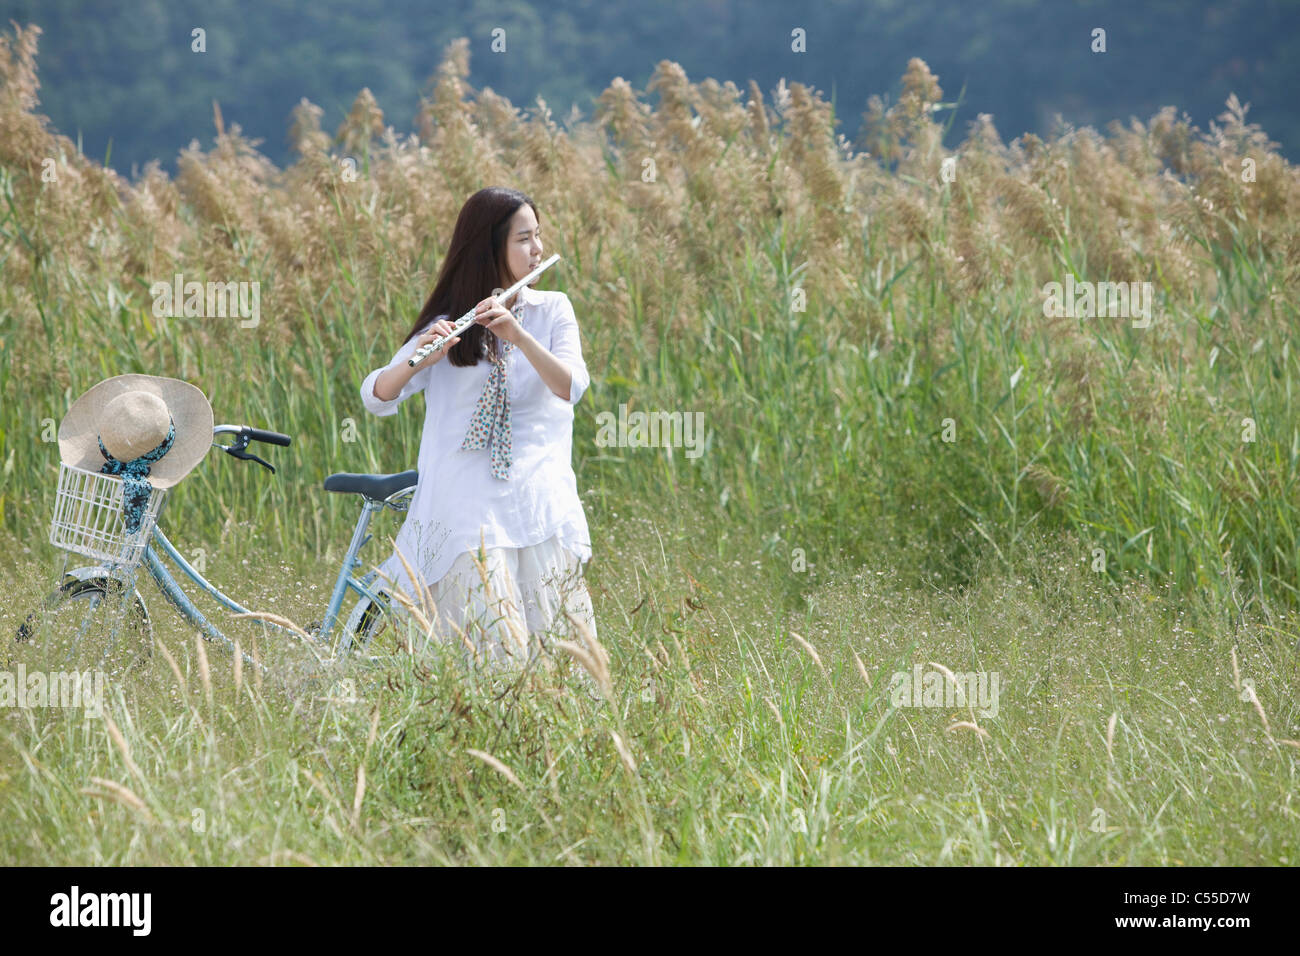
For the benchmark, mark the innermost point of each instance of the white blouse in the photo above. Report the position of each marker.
(457, 494)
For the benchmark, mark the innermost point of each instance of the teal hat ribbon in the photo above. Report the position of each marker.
(135, 484)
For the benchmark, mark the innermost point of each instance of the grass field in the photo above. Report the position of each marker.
(908, 464)
(1123, 735)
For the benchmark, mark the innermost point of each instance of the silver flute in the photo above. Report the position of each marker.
(468, 318)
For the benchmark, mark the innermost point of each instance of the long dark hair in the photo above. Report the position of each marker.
(475, 265)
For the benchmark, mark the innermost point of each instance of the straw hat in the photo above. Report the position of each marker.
(131, 415)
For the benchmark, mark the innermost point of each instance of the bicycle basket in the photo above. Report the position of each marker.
(88, 517)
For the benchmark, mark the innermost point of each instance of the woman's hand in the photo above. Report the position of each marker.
(499, 320)
(439, 329)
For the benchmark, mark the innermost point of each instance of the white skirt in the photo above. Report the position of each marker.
(520, 608)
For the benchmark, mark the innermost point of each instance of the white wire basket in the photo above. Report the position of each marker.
(88, 518)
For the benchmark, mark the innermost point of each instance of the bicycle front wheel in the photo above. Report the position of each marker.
(88, 625)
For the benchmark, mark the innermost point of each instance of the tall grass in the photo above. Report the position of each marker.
(922, 302)
(828, 467)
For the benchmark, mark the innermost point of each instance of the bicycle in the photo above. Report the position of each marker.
(88, 521)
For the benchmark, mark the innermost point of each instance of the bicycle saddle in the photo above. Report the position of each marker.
(374, 487)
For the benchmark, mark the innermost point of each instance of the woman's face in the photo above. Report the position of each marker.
(523, 244)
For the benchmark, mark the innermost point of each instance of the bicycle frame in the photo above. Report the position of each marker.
(160, 546)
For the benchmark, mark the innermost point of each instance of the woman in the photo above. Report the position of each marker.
(496, 451)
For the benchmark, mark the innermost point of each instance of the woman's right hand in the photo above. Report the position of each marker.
(437, 330)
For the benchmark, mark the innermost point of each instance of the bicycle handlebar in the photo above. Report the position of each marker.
(254, 434)
(243, 435)
(271, 438)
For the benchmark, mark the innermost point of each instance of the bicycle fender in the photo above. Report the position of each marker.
(87, 573)
(354, 618)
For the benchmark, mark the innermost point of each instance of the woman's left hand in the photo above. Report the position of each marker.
(499, 320)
